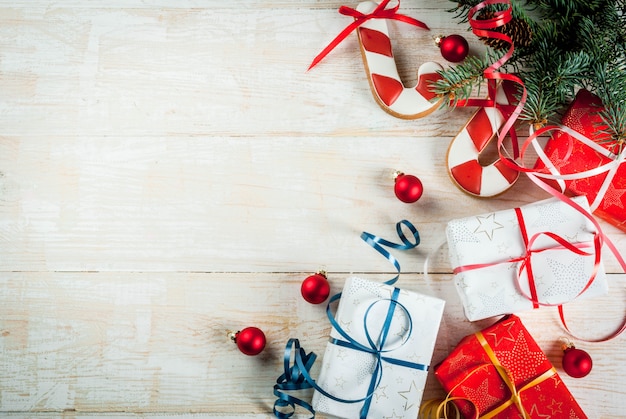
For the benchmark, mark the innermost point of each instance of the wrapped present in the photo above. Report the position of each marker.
(502, 373)
(512, 260)
(606, 191)
(380, 348)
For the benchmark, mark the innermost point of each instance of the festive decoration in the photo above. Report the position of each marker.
(315, 288)
(544, 253)
(464, 165)
(454, 48)
(380, 66)
(250, 341)
(377, 327)
(576, 362)
(501, 373)
(566, 155)
(407, 188)
(560, 46)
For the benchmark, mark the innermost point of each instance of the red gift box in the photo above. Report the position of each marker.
(582, 116)
(505, 374)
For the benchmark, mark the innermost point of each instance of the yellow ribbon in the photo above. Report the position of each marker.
(515, 393)
(433, 409)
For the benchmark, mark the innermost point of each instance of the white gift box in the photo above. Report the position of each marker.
(352, 374)
(492, 244)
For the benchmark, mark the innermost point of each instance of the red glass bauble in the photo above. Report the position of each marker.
(576, 362)
(454, 48)
(315, 288)
(250, 341)
(408, 188)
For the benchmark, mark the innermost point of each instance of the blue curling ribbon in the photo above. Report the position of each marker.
(295, 377)
(377, 243)
(297, 363)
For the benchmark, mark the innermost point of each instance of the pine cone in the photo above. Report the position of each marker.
(517, 29)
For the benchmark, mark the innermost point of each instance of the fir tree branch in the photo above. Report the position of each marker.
(459, 82)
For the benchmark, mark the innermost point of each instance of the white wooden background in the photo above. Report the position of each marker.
(170, 170)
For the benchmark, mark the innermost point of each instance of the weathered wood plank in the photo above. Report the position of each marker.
(224, 204)
(111, 72)
(156, 342)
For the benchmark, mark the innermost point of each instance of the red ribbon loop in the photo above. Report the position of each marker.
(380, 12)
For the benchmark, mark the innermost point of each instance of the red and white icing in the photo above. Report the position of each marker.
(380, 66)
(463, 165)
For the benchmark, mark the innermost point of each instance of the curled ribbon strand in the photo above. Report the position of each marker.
(380, 12)
(377, 243)
(295, 377)
(483, 28)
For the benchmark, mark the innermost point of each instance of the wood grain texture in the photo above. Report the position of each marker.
(170, 170)
(194, 72)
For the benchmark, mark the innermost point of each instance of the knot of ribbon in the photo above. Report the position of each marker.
(297, 363)
(380, 12)
(433, 409)
(525, 260)
(377, 347)
(516, 394)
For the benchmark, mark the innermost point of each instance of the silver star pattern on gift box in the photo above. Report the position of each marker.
(495, 242)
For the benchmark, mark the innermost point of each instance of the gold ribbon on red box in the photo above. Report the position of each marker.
(498, 372)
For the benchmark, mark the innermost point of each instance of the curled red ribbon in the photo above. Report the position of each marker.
(380, 12)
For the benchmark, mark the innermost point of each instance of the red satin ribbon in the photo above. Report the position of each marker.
(482, 28)
(380, 12)
(526, 262)
(525, 259)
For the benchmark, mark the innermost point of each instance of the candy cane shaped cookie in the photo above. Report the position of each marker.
(464, 166)
(382, 73)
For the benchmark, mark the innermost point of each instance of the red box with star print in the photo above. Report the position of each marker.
(571, 156)
(505, 374)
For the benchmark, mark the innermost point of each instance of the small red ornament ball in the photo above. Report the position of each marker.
(408, 188)
(315, 288)
(454, 48)
(576, 362)
(250, 341)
